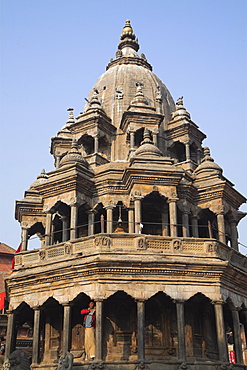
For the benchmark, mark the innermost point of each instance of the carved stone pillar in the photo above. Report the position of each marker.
(132, 140)
(234, 235)
(73, 221)
(24, 236)
(91, 216)
(36, 335)
(165, 221)
(57, 159)
(96, 144)
(221, 227)
(48, 226)
(187, 151)
(220, 330)
(155, 137)
(137, 204)
(10, 337)
(194, 222)
(185, 222)
(173, 216)
(181, 330)
(65, 228)
(141, 329)
(99, 330)
(237, 335)
(66, 327)
(131, 220)
(109, 219)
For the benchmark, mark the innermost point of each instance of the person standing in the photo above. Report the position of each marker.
(89, 323)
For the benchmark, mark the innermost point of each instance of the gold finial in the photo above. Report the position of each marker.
(127, 31)
(127, 28)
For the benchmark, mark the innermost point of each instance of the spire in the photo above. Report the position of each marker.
(128, 38)
(139, 97)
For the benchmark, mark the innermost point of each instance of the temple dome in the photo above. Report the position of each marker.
(117, 86)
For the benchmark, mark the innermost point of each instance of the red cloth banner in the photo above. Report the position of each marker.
(232, 357)
(13, 259)
(2, 298)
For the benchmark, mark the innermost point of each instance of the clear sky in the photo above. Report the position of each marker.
(53, 51)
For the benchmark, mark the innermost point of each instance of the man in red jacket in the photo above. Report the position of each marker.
(89, 322)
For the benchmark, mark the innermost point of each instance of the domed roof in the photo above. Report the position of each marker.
(73, 156)
(208, 164)
(117, 86)
(40, 179)
(147, 147)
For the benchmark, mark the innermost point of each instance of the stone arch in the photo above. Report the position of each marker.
(120, 217)
(177, 151)
(87, 143)
(160, 328)
(120, 342)
(138, 137)
(99, 223)
(207, 221)
(60, 222)
(155, 214)
(23, 330)
(37, 229)
(77, 329)
(200, 329)
(51, 330)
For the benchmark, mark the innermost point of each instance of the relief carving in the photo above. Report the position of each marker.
(17, 361)
(42, 255)
(177, 245)
(102, 241)
(68, 248)
(141, 243)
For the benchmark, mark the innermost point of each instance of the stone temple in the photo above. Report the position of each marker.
(138, 217)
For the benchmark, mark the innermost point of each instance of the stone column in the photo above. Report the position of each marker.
(48, 226)
(181, 330)
(36, 335)
(131, 220)
(137, 204)
(194, 222)
(65, 228)
(99, 330)
(96, 144)
(220, 330)
(155, 138)
(91, 215)
(10, 337)
(66, 326)
(221, 227)
(141, 329)
(24, 236)
(173, 216)
(234, 235)
(185, 222)
(187, 151)
(73, 221)
(165, 222)
(57, 159)
(109, 218)
(237, 335)
(198, 156)
(132, 140)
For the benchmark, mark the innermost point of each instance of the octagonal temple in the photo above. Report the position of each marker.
(137, 217)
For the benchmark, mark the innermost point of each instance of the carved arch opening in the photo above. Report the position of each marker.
(155, 214)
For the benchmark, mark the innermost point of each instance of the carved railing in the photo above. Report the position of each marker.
(130, 243)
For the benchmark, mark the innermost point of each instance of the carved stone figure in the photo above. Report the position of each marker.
(18, 361)
(66, 362)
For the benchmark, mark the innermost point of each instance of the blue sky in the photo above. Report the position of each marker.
(53, 51)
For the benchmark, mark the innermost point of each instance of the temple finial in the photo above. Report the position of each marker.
(127, 31)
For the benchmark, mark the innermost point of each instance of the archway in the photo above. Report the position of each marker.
(119, 338)
(155, 215)
(200, 329)
(160, 328)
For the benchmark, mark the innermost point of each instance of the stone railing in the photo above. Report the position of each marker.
(130, 244)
